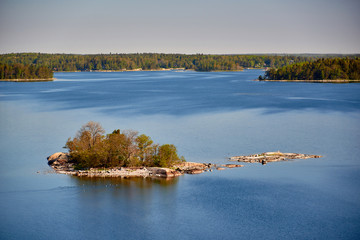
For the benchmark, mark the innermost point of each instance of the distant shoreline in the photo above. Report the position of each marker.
(141, 70)
(28, 80)
(159, 70)
(313, 81)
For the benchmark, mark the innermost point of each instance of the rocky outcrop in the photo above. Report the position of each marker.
(127, 172)
(232, 165)
(266, 157)
(193, 167)
(164, 172)
(60, 162)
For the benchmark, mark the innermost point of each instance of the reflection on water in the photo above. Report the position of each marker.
(139, 182)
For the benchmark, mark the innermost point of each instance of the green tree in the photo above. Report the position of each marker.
(116, 147)
(145, 148)
(167, 155)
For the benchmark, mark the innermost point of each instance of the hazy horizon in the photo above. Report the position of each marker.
(189, 27)
(103, 53)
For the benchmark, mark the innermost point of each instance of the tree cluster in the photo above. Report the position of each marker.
(321, 69)
(90, 148)
(151, 61)
(20, 71)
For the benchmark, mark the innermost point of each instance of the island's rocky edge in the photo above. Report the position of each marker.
(62, 163)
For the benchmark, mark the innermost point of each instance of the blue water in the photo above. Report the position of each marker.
(209, 117)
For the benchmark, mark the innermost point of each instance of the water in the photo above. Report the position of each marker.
(209, 117)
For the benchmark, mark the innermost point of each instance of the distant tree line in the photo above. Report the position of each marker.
(321, 69)
(91, 148)
(21, 71)
(147, 61)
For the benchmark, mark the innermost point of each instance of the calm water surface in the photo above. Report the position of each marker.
(209, 117)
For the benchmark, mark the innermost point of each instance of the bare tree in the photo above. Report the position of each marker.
(94, 130)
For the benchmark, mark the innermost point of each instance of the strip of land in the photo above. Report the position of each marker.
(324, 70)
(28, 80)
(266, 157)
(62, 163)
(140, 69)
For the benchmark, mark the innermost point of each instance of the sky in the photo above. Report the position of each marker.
(182, 26)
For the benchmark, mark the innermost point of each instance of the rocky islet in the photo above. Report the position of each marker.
(267, 157)
(62, 163)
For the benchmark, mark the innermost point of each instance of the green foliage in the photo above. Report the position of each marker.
(167, 155)
(329, 69)
(147, 61)
(90, 148)
(20, 71)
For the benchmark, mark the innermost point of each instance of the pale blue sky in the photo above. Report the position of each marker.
(187, 26)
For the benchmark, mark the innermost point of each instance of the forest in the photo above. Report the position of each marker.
(152, 61)
(300, 66)
(321, 69)
(91, 148)
(21, 71)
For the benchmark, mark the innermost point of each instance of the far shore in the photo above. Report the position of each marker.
(160, 70)
(28, 80)
(313, 81)
(140, 69)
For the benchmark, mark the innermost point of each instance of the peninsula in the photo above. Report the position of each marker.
(330, 70)
(25, 73)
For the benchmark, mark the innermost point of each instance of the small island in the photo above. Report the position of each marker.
(127, 154)
(62, 163)
(330, 70)
(266, 157)
(122, 154)
(25, 73)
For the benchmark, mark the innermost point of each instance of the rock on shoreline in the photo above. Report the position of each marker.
(266, 157)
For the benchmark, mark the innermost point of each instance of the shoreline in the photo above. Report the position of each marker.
(137, 70)
(62, 164)
(161, 70)
(29, 80)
